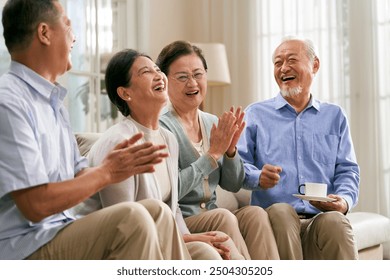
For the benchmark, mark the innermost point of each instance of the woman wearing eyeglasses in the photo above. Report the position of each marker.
(208, 156)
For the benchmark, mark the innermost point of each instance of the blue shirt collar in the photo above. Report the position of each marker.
(280, 102)
(36, 81)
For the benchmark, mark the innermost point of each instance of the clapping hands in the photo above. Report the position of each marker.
(225, 135)
(129, 158)
(240, 125)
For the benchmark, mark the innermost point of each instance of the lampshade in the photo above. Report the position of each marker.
(217, 64)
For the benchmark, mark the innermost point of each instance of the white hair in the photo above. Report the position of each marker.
(308, 44)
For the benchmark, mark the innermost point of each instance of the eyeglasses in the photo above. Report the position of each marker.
(185, 77)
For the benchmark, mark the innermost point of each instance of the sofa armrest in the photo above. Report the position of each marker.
(370, 229)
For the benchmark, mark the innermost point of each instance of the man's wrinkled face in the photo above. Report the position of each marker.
(293, 70)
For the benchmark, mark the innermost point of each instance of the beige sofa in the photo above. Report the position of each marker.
(372, 231)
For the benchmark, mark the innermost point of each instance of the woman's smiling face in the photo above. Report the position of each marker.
(148, 85)
(187, 82)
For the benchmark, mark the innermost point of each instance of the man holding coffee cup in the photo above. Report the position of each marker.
(293, 139)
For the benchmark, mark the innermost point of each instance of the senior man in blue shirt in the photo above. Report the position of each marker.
(293, 139)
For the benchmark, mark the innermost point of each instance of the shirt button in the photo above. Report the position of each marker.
(203, 205)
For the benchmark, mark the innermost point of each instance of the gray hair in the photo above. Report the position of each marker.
(308, 44)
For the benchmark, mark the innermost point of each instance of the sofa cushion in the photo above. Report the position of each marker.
(85, 141)
(232, 201)
(226, 199)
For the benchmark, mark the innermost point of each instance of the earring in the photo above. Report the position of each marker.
(128, 99)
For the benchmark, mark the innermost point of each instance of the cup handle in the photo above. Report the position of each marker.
(299, 189)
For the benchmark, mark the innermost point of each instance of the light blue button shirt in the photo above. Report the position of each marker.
(313, 146)
(37, 147)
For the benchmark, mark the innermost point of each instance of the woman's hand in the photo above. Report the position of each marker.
(213, 239)
(221, 135)
(240, 124)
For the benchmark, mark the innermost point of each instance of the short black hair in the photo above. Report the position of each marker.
(118, 75)
(20, 19)
(174, 51)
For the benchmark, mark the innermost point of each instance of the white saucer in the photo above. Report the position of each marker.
(315, 198)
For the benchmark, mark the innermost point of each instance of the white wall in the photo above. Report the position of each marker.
(167, 21)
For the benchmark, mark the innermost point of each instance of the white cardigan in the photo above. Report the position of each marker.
(137, 187)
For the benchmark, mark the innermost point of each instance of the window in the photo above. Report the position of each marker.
(89, 107)
(102, 28)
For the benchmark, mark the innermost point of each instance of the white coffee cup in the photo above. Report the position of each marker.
(314, 189)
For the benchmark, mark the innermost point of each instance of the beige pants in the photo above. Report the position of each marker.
(326, 236)
(248, 227)
(144, 230)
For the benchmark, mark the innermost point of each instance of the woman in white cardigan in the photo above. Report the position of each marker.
(139, 89)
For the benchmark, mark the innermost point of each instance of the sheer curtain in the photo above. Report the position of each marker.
(252, 29)
(320, 21)
(382, 57)
(231, 22)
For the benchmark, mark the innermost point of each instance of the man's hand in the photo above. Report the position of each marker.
(128, 159)
(339, 205)
(269, 176)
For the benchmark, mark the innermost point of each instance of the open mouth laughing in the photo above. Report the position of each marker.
(287, 78)
(159, 87)
(191, 93)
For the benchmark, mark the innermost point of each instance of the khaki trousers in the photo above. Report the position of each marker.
(326, 236)
(250, 231)
(144, 230)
